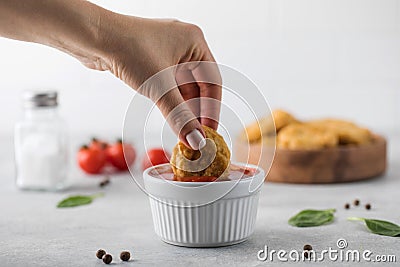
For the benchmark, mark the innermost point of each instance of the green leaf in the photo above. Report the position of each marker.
(379, 227)
(78, 200)
(309, 218)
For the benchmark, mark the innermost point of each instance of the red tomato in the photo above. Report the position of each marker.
(155, 156)
(121, 155)
(91, 160)
(98, 144)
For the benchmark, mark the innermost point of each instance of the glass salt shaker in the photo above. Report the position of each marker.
(41, 149)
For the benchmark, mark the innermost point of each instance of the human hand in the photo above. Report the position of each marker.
(133, 49)
(137, 48)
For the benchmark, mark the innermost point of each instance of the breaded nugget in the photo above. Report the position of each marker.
(307, 137)
(212, 160)
(267, 126)
(256, 130)
(282, 119)
(348, 132)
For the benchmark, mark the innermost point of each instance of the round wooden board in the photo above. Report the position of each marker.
(333, 165)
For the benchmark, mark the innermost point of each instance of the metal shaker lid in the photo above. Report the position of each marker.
(35, 99)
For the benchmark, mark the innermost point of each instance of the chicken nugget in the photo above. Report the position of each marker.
(211, 160)
(348, 132)
(307, 137)
(269, 125)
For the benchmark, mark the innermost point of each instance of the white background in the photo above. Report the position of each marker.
(314, 58)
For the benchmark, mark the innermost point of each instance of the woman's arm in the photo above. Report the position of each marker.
(72, 26)
(132, 48)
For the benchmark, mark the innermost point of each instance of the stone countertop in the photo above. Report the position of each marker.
(33, 232)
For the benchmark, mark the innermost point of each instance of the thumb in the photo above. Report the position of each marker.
(181, 119)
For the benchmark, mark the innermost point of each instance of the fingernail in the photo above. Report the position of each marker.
(195, 139)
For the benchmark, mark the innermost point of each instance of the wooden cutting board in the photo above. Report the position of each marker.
(333, 165)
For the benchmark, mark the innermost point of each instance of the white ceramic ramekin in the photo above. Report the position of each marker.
(200, 214)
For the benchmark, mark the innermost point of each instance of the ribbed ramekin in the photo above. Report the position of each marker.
(199, 214)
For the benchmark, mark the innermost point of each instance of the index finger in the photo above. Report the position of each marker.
(208, 77)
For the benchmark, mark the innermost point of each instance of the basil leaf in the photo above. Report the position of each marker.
(309, 218)
(379, 227)
(77, 200)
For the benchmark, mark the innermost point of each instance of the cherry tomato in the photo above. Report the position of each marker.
(155, 156)
(91, 160)
(121, 155)
(98, 144)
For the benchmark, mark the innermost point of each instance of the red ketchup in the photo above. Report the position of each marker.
(235, 173)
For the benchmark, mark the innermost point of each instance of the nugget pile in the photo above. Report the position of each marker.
(212, 160)
(292, 133)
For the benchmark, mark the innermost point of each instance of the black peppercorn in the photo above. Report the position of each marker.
(125, 255)
(368, 206)
(107, 259)
(100, 253)
(356, 202)
(347, 206)
(307, 247)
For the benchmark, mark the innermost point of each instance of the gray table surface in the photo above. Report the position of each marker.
(33, 232)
